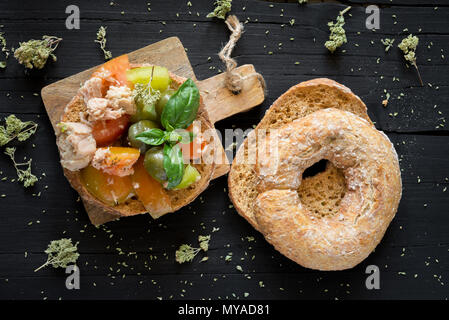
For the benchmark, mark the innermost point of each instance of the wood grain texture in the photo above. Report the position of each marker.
(221, 103)
(412, 257)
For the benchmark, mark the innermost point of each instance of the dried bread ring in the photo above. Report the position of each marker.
(371, 169)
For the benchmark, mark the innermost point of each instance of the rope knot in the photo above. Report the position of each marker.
(234, 81)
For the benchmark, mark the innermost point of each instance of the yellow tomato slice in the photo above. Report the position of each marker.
(150, 192)
(117, 160)
(110, 189)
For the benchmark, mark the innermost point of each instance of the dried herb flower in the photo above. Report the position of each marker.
(408, 46)
(186, 253)
(388, 43)
(337, 36)
(16, 128)
(101, 39)
(222, 7)
(61, 253)
(24, 175)
(204, 242)
(35, 53)
(145, 95)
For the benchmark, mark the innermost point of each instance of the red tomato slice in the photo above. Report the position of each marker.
(192, 150)
(107, 131)
(117, 68)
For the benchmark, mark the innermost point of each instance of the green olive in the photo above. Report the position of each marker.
(145, 112)
(154, 163)
(137, 128)
(165, 96)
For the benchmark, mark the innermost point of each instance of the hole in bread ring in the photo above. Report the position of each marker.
(373, 190)
(322, 188)
(315, 169)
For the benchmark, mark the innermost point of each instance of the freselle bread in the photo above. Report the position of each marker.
(368, 160)
(178, 198)
(321, 193)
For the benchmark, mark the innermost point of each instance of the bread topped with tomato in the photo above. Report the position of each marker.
(136, 139)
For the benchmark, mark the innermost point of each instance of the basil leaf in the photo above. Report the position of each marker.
(173, 164)
(182, 107)
(152, 137)
(181, 135)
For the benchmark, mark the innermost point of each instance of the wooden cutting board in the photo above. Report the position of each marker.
(170, 53)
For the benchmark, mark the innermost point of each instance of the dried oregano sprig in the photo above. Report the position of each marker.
(35, 53)
(337, 36)
(186, 252)
(408, 46)
(24, 175)
(101, 39)
(4, 49)
(61, 253)
(222, 7)
(16, 128)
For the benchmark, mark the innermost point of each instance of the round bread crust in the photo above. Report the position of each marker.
(371, 169)
(179, 198)
(242, 181)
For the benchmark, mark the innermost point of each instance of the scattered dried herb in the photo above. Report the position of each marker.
(16, 128)
(408, 46)
(228, 257)
(388, 43)
(385, 101)
(337, 35)
(222, 7)
(61, 253)
(35, 53)
(101, 39)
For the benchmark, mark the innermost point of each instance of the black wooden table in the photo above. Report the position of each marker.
(134, 258)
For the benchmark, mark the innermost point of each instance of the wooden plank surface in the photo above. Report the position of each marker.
(416, 243)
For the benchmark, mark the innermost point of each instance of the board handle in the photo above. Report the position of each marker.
(222, 103)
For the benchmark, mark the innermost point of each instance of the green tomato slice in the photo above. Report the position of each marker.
(191, 175)
(161, 77)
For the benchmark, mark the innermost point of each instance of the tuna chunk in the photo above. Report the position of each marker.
(101, 109)
(76, 145)
(105, 160)
(91, 89)
(121, 98)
